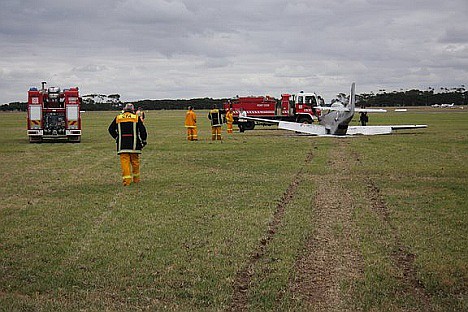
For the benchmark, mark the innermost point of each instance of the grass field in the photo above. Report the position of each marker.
(267, 220)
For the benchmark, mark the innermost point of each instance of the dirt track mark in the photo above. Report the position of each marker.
(378, 204)
(330, 257)
(244, 277)
(401, 257)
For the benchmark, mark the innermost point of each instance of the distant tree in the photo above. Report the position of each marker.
(414, 97)
(15, 106)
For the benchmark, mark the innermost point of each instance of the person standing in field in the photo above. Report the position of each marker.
(140, 113)
(130, 136)
(363, 118)
(242, 121)
(215, 115)
(229, 120)
(191, 124)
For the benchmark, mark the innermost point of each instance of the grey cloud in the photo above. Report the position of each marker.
(455, 34)
(152, 12)
(178, 49)
(91, 68)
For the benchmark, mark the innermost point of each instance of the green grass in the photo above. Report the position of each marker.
(72, 238)
(423, 179)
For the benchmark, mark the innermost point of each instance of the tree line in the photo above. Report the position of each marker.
(458, 96)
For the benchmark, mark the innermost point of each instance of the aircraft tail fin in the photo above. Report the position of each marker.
(352, 98)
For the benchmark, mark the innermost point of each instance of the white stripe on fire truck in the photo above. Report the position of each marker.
(260, 112)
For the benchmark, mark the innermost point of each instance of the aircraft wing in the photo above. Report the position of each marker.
(358, 110)
(370, 110)
(270, 121)
(374, 130)
(320, 130)
(302, 127)
(339, 108)
(293, 126)
(404, 127)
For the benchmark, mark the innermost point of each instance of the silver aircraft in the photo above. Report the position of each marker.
(336, 122)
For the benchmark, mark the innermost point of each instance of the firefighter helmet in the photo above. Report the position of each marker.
(129, 107)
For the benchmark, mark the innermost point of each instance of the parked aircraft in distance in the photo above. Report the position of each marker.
(444, 105)
(336, 122)
(447, 105)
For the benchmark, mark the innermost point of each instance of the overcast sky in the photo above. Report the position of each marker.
(155, 49)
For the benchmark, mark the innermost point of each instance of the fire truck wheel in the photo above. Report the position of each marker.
(249, 125)
(35, 139)
(74, 138)
(304, 119)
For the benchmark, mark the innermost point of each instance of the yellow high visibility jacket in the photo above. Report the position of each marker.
(190, 119)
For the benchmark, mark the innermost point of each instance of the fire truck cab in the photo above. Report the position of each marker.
(54, 114)
(298, 107)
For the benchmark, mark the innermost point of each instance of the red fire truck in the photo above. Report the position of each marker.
(291, 107)
(54, 114)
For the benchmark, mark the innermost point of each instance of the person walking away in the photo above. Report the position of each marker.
(215, 115)
(363, 118)
(140, 113)
(191, 124)
(242, 121)
(229, 120)
(130, 136)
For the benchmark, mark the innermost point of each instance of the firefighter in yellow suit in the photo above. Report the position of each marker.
(215, 115)
(191, 124)
(141, 113)
(130, 135)
(229, 120)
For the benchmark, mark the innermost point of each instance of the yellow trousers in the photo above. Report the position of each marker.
(216, 133)
(192, 134)
(229, 127)
(130, 163)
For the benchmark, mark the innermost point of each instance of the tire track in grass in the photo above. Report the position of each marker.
(243, 278)
(402, 258)
(330, 259)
